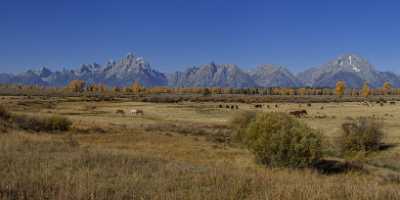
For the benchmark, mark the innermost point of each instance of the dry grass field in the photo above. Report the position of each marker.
(181, 151)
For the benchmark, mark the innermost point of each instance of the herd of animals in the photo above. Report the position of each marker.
(296, 113)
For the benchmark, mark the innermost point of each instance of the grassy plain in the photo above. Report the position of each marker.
(180, 151)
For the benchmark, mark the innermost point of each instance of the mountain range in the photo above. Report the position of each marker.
(351, 68)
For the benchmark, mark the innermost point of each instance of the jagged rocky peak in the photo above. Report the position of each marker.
(269, 75)
(352, 62)
(352, 68)
(214, 68)
(212, 75)
(131, 60)
(132, 68)
(90, 68)
(43, 72)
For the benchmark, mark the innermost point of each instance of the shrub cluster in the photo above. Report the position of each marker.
(239, 123)
(360, 135)
(4, 119)
(280, 140)
(40, 124)
(31, 123)
(4, 114)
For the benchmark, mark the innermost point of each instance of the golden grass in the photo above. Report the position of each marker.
(128, 161)
(44, 166)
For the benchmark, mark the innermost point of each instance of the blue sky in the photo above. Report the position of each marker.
(174, 34)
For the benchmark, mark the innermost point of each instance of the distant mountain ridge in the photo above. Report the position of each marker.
(212, 75)
(351, 68)
(274, 76)
(115, 73)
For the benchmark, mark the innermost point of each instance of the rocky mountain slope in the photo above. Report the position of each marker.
(274, 76)
(212, 75)
(351, 68)
(116, 73)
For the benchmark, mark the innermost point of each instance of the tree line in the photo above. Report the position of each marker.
(80, 86)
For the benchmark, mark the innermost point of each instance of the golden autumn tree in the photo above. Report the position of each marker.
(387, 87)
(340, 88)
(76, 86)
(136, 87)
(102, 88)
(302, 91)
(365, 91)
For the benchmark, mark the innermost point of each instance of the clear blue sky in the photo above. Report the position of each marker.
(174, 34)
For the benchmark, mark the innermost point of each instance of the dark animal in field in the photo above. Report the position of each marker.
(392, 103)
(227, 106)
(309, 104)
(258, 106)
(232, 107)
(120, 112)
(237, 107)
(298, 113)
(268, 106)
(276, 106)
(220, 106)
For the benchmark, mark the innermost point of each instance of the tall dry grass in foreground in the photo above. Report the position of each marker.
(56, 167)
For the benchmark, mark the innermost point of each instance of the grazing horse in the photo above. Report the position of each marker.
(258, 106)
(121, 112)
(298, 113)
(365, 103)
(136, 112)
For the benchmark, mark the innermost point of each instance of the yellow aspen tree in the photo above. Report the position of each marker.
(340, 88)
(136, 87)
(365, 91)
(387, 87)
(76, 86)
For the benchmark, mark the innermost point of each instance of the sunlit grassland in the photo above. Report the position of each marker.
(139, 157)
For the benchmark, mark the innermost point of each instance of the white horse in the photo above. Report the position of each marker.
(136, 112)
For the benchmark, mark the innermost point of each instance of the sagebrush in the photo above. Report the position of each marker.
(239, 123)
(280, 140)
(362, 134)
(33, 123)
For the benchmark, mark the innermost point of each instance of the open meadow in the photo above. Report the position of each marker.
(184, 150)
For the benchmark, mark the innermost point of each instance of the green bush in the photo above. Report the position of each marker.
(42, 124)
(279, 140)
(4, 120)
(360, 135)
(4, 114)
(239, 123)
